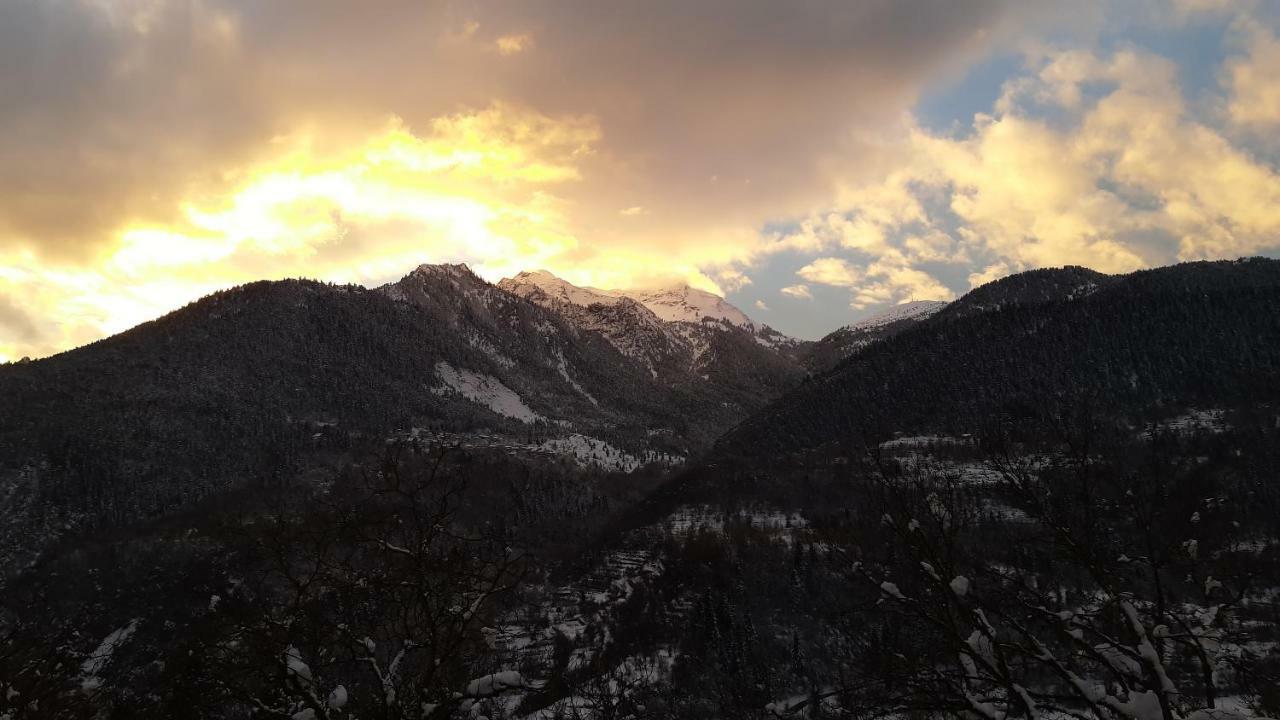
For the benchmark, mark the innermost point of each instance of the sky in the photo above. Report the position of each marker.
(813, 161)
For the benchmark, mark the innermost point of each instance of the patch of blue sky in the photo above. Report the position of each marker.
(780, 228)
(953, 275)
(949, 105)
(829, 306)
(806, 318)
(1198, 47)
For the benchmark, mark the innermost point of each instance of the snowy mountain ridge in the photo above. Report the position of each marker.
(680, 303)
(672, 331)
(681, 314)
(537, 350)
(911, 310)
(689, 304)
(557, 289)
(850, 339)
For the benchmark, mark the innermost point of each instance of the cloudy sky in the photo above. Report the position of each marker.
(814, 161)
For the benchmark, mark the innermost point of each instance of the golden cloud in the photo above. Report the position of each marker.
(831, 271)
(514, 44)
(475, 187)
(1254, 83)
(1116, 180)
(480, 187)
(156, 151)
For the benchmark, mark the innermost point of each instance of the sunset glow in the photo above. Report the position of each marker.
(818, 175)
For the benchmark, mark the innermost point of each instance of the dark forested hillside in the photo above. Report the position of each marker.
(833, 348)
(1198, 333)
(253, 380)
(1029, 288)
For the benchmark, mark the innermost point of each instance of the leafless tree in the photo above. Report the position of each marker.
(1128, 620)
(371, 598)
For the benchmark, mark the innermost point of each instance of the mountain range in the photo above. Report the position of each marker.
(1034, 346)
(182, 406)
(689, 481)
(149, 421)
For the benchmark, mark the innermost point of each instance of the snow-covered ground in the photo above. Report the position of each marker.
(582, 611)
(916, 441)
(689, 519)
(484, 390)
(1212, 421)
(583, 449)
(97, 661)
(598, 453)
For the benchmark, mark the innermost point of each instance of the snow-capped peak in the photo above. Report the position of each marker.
(913, 310)
(688, 304)
(676, 304)
(558, 289)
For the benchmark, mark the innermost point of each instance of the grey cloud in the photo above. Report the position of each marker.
(16, 324)
(106, 119)
(103, 123)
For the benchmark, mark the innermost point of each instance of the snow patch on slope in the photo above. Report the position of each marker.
(97, 661)
(687, 519)
(481, 343)
(1211, 421)
(485, 390)
(563, 367)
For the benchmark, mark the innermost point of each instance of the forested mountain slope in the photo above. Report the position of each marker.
(677, 332)
(1029, 288)
(1063, 471)
(258, 380)
(1181, 335)
(834, 347)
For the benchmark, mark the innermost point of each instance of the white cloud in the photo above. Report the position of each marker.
(992, 272)
(800, 292)
(1089, 160)
(730, 279)
(831, 271)
(891, 284)
(1254, 80)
